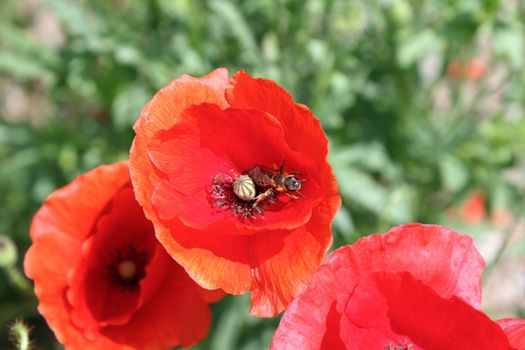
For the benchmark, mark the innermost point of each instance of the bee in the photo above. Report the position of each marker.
(275, 181)
(244, 188)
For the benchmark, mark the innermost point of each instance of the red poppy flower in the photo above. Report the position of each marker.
(195, 140)
(473, 210)
(102, 279)
(416, 287)
(476, 69)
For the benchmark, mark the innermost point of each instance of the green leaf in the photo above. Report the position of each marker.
(359, 188)
(509, 43)
(453, 173)
(415, 47)
(127, 105)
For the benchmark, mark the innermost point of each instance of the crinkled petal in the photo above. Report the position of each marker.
(312, 318)
(95, 300)
(92, 191)
(438, 256)
(47, 262)
(303, 131)
(212, 259)
(283, 262)
(161, 112)
(407, 312)
(174, 315)
(514, 328)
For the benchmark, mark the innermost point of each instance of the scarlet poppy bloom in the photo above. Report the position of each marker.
(473, 210)
(234, 176)
(102, 279)
(415, 287)
(476, 69)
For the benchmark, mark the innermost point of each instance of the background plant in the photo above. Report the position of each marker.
(422, 101)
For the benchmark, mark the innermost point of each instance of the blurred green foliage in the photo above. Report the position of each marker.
(423, 103)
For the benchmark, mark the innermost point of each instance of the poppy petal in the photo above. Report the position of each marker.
(91, 192)
(211, 296)
(302, 130)
(398, 305)
(92, 293)
(200, 250)
(514, 328)
(47, 262)
(162, 110)
(172, 316)
(313, 318)
(160, 113)
(438, 256)
(93, 299)
(275, 283)
(280, 276)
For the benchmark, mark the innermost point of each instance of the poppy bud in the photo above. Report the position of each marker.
(8, 252)
(19, 335)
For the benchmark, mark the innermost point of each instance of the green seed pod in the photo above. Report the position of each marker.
(244, 188)
(8, 252)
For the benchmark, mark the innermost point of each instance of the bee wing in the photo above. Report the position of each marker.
(261, 175)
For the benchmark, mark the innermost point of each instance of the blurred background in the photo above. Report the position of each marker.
(422, 101)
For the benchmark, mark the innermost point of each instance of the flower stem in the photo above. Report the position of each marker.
(510, 232)
(18, 280)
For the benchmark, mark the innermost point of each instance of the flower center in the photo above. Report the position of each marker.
(128, 267)
(249, 195)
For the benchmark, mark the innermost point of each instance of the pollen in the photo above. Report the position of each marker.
(127, 270)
